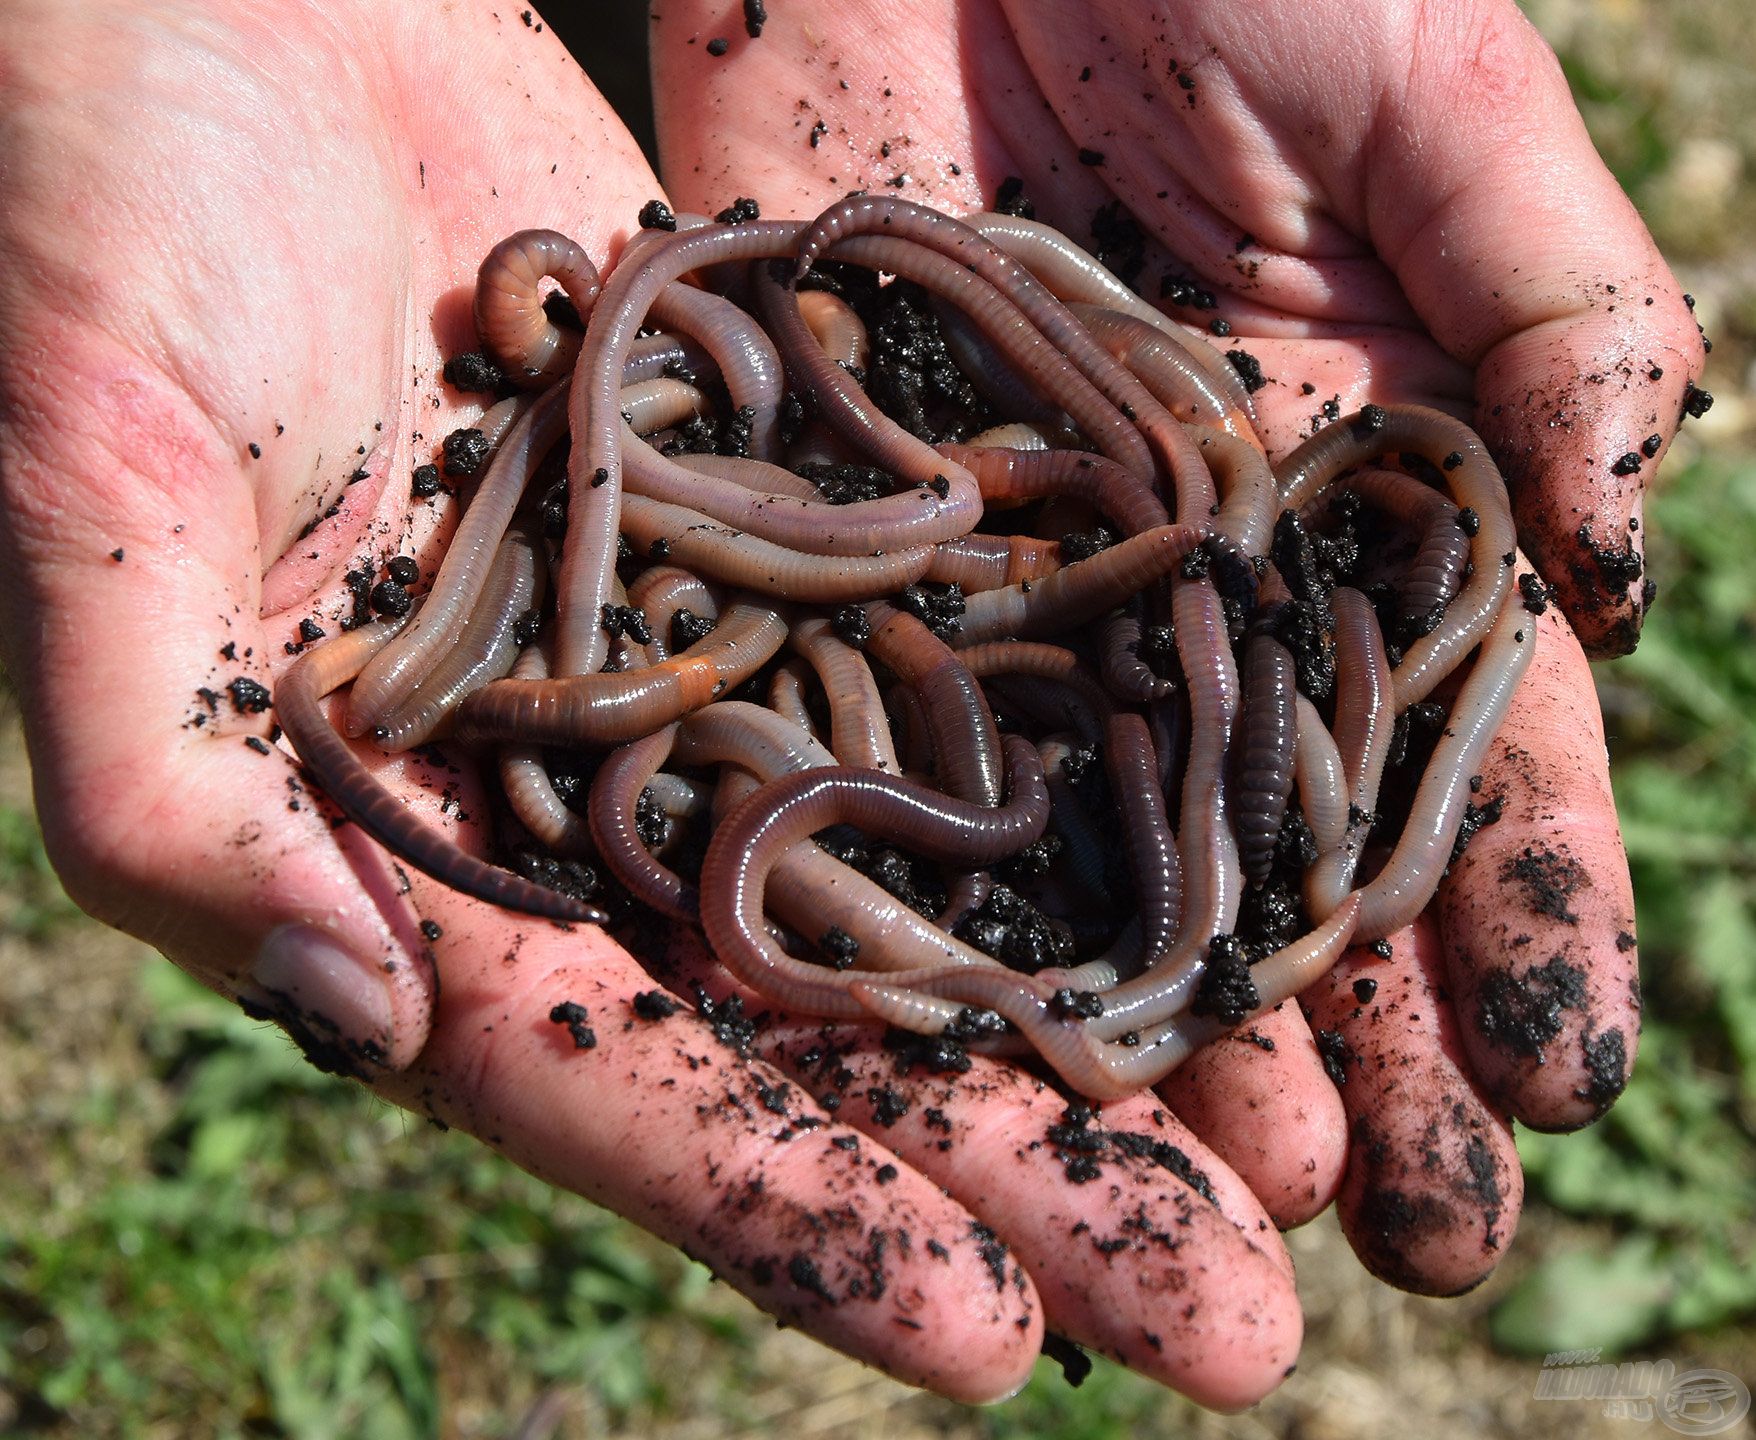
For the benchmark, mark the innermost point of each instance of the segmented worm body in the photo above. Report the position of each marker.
(922, 618)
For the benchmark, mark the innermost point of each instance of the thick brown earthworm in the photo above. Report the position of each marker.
(745, 357)
(858, 732)
(865, 214)
(1363, 724)
(298, 697)
(599, 709)
(750, 841)
(1182, 373)
(1009, 475)
(531, 348)
(966, 749)
(751, 563)
(1077, 593)
(1401, 890)
(1102, 1070)
(530, 792)
(975, 563)
(837, 329)
(1455, 449)
(484, 651)
(1267, 747)
(1431, 580)
(594, 417)
(394, 673)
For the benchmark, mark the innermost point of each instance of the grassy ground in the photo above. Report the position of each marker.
(201, 1236)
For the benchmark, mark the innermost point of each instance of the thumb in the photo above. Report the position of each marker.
(129, 609)
(1526, 260)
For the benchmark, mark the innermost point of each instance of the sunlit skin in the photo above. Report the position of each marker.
(225, 226)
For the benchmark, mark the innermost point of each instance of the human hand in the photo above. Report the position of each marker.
(1388, 204)
(234, 243)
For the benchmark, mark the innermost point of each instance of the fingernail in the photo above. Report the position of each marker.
(326, 997)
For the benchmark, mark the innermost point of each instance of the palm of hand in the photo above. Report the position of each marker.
(360, 205)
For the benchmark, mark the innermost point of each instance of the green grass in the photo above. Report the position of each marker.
(277, 1245)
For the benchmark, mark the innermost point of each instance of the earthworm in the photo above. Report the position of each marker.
(812, 526)
(990, 562)
(1267, 736)
(1181, 374)
(298, 696)
(1077, 593)
(858, 733)
(860, 215)
(946, 501)
(484, 651)
(787, 689)
(1409, 879)
(594, 417)
(836, 327)
(1323, 791)
(531, 348)
(1363, 723)
(1249, 500)
(751, 563)
(650, 405)
(1033, 361)
(1432, 578)
(745, 357)
(1458, 452)
(1100, 1069)
(1212, 880)
(749, 842)
(664, 592)
(394, 673)
(994, 377)
(1127, 675)
(908, 666)
(596, 709)
(1004, 475)
(612, 811)
(652, 356)
(966, 751)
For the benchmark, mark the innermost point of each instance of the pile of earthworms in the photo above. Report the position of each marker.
(920, 617)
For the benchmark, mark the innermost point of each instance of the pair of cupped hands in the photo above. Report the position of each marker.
(236, 242)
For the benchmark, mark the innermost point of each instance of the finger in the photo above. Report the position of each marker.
(1538, 913)
(1524, 257)
(1260, 1100)
(539, 1049)
(1433, 1187)
(1143, 1245)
